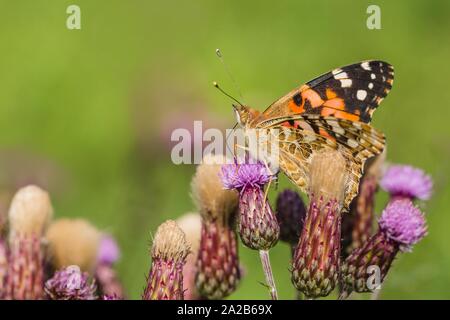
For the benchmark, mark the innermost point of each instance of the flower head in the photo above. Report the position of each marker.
(404, 223)
(407, 181)
(70, 284)
(169, 251)
(108, 251)
(240, 176)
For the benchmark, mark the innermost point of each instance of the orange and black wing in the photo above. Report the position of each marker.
(352, 92)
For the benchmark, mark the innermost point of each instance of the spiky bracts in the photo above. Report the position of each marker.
(29, 214)
(315, 267)
(70, 283)
(169, 252)
(218, 271)
(400, 226)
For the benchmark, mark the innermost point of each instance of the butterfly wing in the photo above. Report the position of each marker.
(352, 92)
(356, 141)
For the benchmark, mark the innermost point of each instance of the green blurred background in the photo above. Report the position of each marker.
(88, 113)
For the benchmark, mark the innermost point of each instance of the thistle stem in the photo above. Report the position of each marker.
(265, 261)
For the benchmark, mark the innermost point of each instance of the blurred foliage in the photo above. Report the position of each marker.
(83, 112)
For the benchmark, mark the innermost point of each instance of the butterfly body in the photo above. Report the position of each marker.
(332, 111)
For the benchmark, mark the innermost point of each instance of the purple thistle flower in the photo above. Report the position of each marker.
(404, 223)
(257, 224)
(407, 181)
(70, 284)
(241, 176)
(108, 251)
(400, 226)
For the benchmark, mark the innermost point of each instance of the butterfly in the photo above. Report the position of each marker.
(331, 111)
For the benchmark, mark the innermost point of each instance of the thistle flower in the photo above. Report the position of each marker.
(73, 242)
(291, 213)
(218, 272)
(191, 224)
(401, 225)
(105, 275)
(70, 284)
(403, 181)
(316, 261)
(169, 252)
(258, 226)
(29, 214)
(357, 225)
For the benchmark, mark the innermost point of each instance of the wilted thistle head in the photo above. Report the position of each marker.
(70, 284)
(407, 181)
(30, 212)
(316, 260)
(73, 242)
(403, 223)
(170, 243)
(212, 200)
(291, 213)
(218, 271)
(327, 176)
(169, 252)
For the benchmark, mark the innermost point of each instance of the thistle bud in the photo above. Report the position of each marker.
(218, 271)
(257, 224)
(169, 252)
(70, 284)
(316, 261)
(191, 224)
(400, 227)
(73, 242)
(29, 214)
(403, 181)
(105, 275)
(291, 214)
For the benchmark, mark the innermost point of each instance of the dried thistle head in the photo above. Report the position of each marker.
(170, 242)
(30, 212)
(212, 200)
(73, 242)
(328, 175)
(169, 251)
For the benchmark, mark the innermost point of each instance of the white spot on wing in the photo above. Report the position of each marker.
(373, 76)
(346, 83)
(370, 85)
(365, 66)
(341, 75)
(361, 94)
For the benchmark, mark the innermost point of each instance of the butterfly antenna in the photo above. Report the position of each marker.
(215, 84)
(230, 75)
